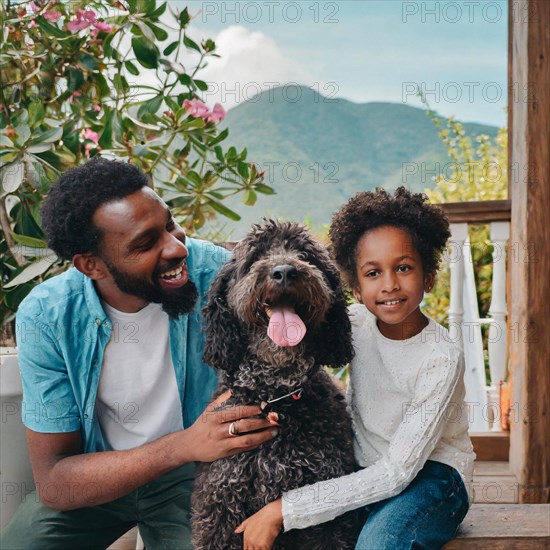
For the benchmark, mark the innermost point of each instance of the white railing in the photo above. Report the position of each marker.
(482, 396)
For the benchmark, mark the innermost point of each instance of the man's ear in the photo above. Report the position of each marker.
(429, 281)
(90, 265)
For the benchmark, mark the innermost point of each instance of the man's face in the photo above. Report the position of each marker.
(144, 250)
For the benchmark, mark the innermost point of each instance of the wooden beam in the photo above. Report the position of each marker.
(529, 266)
(478, 211)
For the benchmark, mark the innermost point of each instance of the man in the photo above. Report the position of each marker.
(114, 386)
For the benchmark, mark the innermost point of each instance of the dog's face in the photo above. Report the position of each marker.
(280, 284)
(281, 295)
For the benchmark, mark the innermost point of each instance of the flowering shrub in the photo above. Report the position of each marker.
(109, 77)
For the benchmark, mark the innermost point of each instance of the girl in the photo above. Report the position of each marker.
(406, 389)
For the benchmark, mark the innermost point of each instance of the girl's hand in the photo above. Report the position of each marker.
(261, 529)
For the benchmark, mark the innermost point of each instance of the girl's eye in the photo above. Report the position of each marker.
(403, 268)
(372, 274)
(171, 224)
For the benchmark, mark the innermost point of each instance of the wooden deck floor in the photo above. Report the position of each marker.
(493, 483)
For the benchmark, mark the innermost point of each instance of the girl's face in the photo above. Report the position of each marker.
(391, 281)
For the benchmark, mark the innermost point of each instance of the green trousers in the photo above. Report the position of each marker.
(160, 508)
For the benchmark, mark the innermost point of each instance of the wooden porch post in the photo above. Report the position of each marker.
(529, 256)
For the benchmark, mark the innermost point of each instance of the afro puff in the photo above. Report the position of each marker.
(425, 223)
(71, 203)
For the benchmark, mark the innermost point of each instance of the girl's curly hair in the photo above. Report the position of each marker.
(71, 203)
(426, 224)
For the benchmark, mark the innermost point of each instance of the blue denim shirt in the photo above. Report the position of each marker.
(62, 331)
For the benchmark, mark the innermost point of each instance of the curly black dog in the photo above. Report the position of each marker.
(276, 314)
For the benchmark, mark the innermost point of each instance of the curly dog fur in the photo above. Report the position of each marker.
(315, 442)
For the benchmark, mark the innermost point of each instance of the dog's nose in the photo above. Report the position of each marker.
(284, 274)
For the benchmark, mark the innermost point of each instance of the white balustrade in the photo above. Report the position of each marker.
(465, 323)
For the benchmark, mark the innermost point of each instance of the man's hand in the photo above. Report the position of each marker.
(211, 435)
(261, 529)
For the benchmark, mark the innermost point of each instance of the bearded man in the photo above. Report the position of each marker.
(114, 386)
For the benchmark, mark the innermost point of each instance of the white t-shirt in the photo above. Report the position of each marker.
(407, 406)
(137, 398)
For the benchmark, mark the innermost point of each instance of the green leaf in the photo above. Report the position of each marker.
(242, 168)
(192, 124)
(30, 241)
(170, 48)
(150, 107)
(131, 68)
(120, 83)
(160, 34)
(191, 44)
(220, 137)
(23, 133)
(249, 197)
(75, 79)
(146, 52)
(87, 61)
(219, 153)
(265, 189)
(201, 85)
(184, 18)
(49, 136)
(51, 30)
(33, 270)
(223, 210)
(171, 103)
(159, 11)
(36, 113)
(5, 141)
(11, 177)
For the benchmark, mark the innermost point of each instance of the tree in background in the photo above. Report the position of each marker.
(117, 78)
(478, 171)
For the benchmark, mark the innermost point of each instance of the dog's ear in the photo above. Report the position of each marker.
(333, 344)
(226, 339)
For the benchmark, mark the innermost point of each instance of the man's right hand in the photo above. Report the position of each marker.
(211, 435)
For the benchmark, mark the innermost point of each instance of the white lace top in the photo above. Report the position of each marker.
(407, 405)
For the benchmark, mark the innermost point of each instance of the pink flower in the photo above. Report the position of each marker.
(97, 108)
(218, 113)
(52, 16)
(84, 19)
(33, 7)
(101, 26)
(90, 134)
(32, 24)
(196, 108)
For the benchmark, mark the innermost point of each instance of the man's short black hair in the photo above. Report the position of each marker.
(71, 203)
(425, 223)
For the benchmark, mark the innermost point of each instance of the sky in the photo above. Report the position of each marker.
(361, 50)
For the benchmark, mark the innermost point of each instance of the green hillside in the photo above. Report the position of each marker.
(318, 152)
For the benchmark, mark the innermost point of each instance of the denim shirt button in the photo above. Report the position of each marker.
(98, 322)
(85, 416)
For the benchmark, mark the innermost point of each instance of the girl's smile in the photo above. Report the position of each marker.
(391, 281)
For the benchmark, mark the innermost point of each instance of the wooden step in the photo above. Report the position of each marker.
(504, 527)
(494, 483)
(491, 445)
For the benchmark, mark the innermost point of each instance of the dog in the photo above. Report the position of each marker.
(275, 315)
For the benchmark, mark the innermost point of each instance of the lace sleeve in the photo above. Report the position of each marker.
(421, 427)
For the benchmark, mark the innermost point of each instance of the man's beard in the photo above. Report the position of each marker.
(175, 302)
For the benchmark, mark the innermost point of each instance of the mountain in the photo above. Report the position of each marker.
(318, 152)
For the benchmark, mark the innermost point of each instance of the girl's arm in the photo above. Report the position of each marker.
(422, 424)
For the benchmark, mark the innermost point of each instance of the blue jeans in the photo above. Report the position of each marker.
(425, 515)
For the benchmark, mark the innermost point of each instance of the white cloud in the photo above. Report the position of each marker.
(250, 61)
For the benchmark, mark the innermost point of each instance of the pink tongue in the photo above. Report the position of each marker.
(285, 327)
